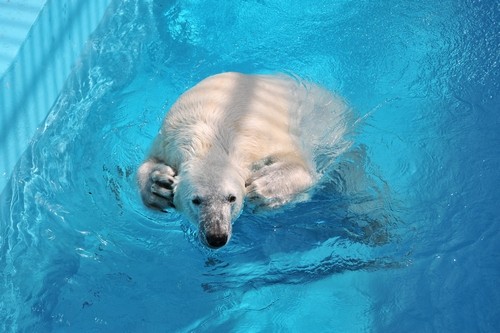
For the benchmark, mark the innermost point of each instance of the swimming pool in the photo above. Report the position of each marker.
(403, 238)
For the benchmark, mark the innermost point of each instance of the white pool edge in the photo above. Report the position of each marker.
(34, 79)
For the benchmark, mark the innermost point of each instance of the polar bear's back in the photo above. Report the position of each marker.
(249, 117)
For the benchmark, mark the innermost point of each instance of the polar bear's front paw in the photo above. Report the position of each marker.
(157, 182)
(264, 193)
(276, 184)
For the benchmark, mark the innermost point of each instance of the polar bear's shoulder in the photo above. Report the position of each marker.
(246, 114)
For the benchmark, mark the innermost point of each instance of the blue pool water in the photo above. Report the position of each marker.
(402, 238)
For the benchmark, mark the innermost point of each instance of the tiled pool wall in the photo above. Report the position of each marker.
(40, 42)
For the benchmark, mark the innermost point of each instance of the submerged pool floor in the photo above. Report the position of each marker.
(402, 237)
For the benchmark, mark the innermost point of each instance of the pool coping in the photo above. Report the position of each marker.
(33, 80)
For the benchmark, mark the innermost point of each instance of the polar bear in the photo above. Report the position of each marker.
(235, 138)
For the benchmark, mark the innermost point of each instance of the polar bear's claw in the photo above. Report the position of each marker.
(157, 182)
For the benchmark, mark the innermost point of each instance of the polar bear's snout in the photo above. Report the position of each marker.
(216, 240)
(215, 225)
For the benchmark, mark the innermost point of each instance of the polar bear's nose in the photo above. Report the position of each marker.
(216, 240)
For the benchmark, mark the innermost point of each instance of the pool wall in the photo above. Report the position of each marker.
(31, 79)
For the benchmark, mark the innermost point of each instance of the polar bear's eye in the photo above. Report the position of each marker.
(196, 201)
(231, 198)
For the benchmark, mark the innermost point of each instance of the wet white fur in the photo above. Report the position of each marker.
(253, 138)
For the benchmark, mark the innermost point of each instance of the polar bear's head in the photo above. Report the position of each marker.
(211, 195)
